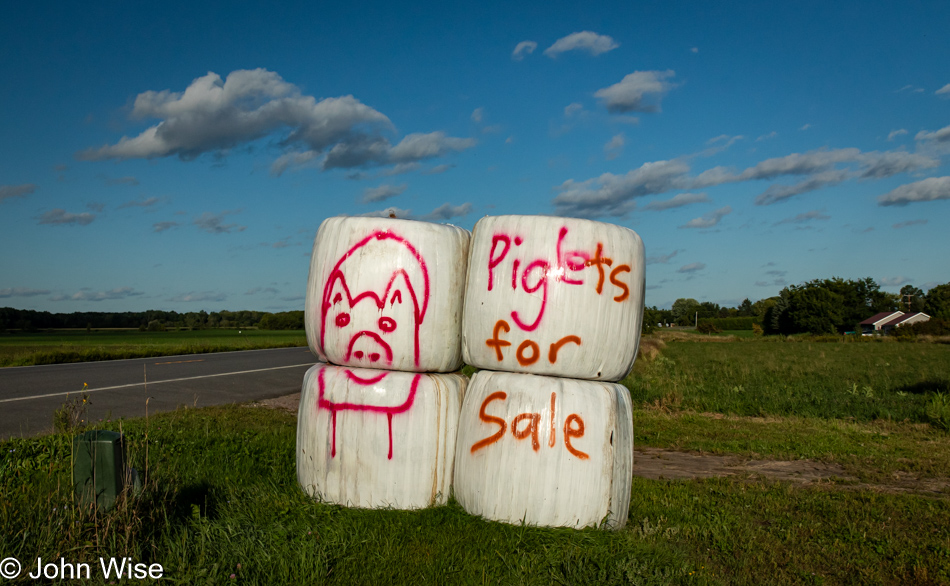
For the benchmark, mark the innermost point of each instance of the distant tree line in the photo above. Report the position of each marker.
(820, 306)
(155, 320)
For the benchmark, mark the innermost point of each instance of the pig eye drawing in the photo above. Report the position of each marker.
(343, 319)
(387, 324)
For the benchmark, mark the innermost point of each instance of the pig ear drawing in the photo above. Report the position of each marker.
(400, 290)
(337, 293)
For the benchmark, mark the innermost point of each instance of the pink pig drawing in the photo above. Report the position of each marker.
(373, 315)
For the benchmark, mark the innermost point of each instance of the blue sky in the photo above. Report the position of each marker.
(182, 156)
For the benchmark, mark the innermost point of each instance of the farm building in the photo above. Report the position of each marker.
(903, 320)
(877, 321)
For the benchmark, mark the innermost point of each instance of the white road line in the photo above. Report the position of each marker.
(157, 382)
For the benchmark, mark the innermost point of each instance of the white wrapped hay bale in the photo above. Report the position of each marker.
(386, 293)
(554, 296)
(376, 438)
(549, 451)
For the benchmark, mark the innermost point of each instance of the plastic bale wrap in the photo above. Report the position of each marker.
(385, 293)
(547, 451)
(376, 438)
(553, 296)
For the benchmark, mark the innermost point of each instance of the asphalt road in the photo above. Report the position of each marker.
(119, 388)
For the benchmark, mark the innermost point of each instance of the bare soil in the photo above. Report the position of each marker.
(663, 464)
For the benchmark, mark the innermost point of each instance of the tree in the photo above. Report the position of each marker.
(745, 308)
(684, 310)
(938, 302)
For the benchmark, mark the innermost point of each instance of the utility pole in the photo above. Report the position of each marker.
(909, 298)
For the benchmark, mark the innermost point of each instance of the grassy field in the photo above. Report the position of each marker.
(221, 502)
(28, 348)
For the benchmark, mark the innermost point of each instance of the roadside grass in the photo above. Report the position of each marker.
(221, 499)
(762, 377)
(58, 346)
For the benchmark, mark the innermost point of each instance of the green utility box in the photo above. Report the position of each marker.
(99, 470)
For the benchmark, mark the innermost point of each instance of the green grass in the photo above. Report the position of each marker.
(221, 498)
(762, 377)
(58, 346)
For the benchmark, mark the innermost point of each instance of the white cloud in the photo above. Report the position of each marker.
(661, 258)
(908, 223)
(192, 297)
(21, 292)
(803, 218)
(401, 169)
(768, 136)
(777, 193)
(614, 147)
(214, 115)
(141, 203)
(572, 109)
(447, 211)
(257, 290)
(880, 165)
(382, 193)
(287, 160)
(911, 89)
(695, 50)
(437, 170)
(377, 151)
(691, 268)
(523, 48)
(612, 195)
(61, 216)
(930, 189)
(942, 135)
(944, 91)
(162, 226)
(214, 223)
(628, 95)
(895, 133)
(894, 281)
(805, 127)
(677, 201)
(708, 220)
(85, 295)
(587, 41)
(477, 115)
(16, 190)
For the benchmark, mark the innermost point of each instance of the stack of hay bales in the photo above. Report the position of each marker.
(553, 311)
(375, 427)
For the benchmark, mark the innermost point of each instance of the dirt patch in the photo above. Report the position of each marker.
(663, 464)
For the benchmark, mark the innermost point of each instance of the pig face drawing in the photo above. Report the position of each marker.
(374, 302)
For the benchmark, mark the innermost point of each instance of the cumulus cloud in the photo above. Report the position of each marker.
(21, 292)
(691, 268)
(7, 191)
(523, 48)
(930, 189)
(768, 136)
(477, 115)
(895, 133)
(909, 223)
(804, 217)
(572, 109)
(587, 41)
(677, 201)
(214, 115)
(942, 135)
(614, 147)
(61, 216)
(880, 165)
(86, 295)
(447, 211)
(199, 296)
(141, 203)
(162, 226)
(612, 195)
(944, 91)
(378, 151)
(777, 193)
(214, 223)
(382, 192)
(636, 92)
(661, 258)
(288, 160)
(708, 220)
(437, 170)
